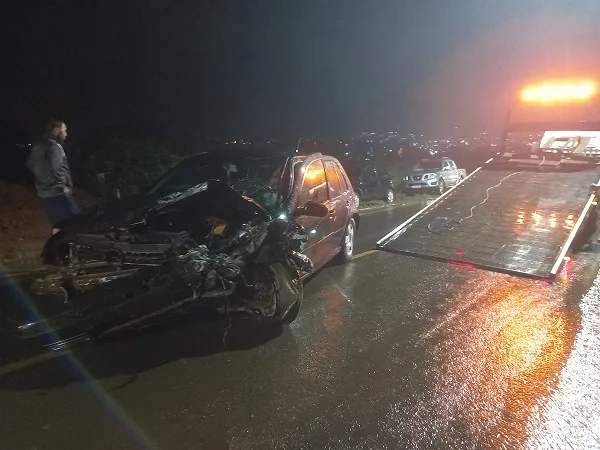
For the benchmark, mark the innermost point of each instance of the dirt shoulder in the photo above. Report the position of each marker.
(24, 227)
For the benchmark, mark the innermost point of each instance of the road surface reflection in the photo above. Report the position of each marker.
(496, 355)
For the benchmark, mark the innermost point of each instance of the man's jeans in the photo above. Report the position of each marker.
(60, 208)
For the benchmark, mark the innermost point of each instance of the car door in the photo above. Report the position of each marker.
(451, 174)
(311, 185)
(370, 183)
(446, 174)
(384, 182)
(338, 205)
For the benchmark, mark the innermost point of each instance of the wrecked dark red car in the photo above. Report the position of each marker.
(231, 231)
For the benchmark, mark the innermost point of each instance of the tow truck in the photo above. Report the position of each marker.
(528, 207)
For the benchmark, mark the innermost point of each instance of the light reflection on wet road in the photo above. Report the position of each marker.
(570, 417)
(388, 352)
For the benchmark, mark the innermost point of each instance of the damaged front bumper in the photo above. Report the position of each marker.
(64, 282)
(114, 280)
(105, 302)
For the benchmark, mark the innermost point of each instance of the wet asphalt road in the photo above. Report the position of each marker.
(388, 352)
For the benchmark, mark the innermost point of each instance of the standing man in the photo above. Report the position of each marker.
(53, 181)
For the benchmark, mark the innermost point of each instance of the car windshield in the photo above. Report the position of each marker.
(430, 164)
(257, 178)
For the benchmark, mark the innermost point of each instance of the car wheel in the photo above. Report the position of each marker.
(283, 283)
(347, 247)
(442, 186)
(389, 196)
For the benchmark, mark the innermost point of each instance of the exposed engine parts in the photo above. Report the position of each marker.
(208, 246)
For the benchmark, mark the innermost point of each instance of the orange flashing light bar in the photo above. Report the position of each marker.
(559, 92)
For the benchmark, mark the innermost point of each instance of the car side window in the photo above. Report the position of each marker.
(370, 176)
(335, 186)
(384, 175)
(314, 186)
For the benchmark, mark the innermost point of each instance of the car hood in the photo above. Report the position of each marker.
(423, 171)
(135, 210)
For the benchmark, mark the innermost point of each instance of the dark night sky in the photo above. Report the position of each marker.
(281, 68)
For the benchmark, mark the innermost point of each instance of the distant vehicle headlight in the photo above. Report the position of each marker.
(405, 178)
(429, 176)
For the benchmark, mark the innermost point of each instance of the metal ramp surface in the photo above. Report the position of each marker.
(525, 227)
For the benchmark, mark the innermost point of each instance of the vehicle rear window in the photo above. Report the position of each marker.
(335, 186)
(430, 164)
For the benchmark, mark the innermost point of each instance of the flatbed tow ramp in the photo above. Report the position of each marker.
(516, 215)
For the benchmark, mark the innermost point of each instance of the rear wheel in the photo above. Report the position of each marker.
(347, 247)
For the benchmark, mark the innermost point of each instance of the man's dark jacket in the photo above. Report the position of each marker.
(48, 163)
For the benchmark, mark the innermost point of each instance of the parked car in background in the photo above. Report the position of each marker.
(433, 175)
(371, 182)
(231, 231)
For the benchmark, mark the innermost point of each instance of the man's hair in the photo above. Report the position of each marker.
(52, 125)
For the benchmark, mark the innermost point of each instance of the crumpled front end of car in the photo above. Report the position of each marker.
(210, 248)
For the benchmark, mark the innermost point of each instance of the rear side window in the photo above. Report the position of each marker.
(335, 186)
(314, 186)
(340, 172)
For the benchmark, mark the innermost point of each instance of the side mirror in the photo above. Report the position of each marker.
(311, 209)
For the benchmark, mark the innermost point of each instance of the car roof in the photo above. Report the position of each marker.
(256, 154)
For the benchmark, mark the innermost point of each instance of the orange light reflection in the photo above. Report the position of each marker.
(313, 174)
(541, 223)
(505, 353)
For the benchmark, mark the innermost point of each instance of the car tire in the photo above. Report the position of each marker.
(390, 196)
(347, 244)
